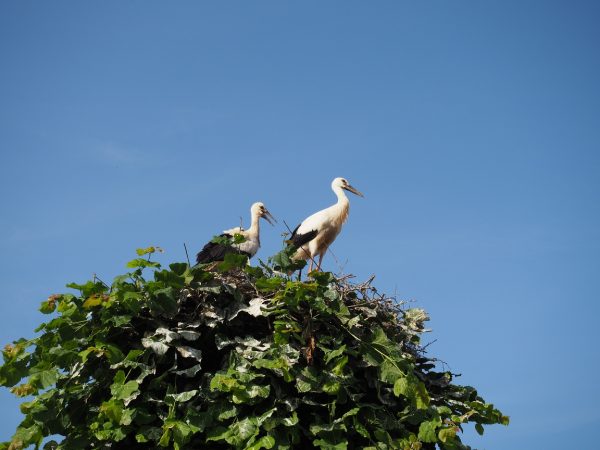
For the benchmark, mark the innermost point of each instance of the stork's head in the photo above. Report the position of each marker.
(260, 210)
(343, 184)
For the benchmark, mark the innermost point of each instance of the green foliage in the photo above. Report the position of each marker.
(233, 358)
(283, 261)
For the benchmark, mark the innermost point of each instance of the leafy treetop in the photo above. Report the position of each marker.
(233, 356)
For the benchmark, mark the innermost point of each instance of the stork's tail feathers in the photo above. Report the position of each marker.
(216, 251)
(298, 240)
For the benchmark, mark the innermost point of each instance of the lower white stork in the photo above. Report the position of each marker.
(216, 251)
(316, 233)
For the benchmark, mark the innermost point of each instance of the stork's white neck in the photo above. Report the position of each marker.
(253, 232)
(254, 225)
(342, 207)
(341, 195)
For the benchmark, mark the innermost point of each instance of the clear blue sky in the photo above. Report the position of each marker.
(473, 128)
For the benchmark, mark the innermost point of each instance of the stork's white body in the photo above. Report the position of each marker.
(214, 251)
(234, 230)
(328, 222)
(321, 228)
(252, 235)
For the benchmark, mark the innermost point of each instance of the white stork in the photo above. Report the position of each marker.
(316, 233)
(214, 251)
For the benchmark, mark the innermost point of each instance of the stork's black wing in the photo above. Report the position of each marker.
(215, 251)
(298, 240)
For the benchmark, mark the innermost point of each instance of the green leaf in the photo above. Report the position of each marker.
(223, 382)
(422, 396)
(112, 409)
(142, 263)
(147, 250)
(232, 261)
(25, 436)
(323, 278)
(87, 289)
(269, 284)
(94, 300)
(48, 306)
(122, 390)
(380, 339)
(389, 371)
(263, 442)
(479, 429)
(170, 279)
(43, 378)
(283, 261)
(160, 348)
(219, 434)
(427, 430)
(334, 353)
(339, 365)
(447, 434)
(404, 388)
(308, 380)
(241, 431)
(290, 421)
(179, 268)
(328, 445)
(165, 438)
(200, 420)
(183, 396)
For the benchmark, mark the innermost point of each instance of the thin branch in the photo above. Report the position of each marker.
(98, 279)
(186, 255)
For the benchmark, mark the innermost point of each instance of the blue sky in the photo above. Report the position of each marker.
(473, 129)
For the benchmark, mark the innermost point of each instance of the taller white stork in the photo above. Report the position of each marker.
(216, 251)
(316, 233)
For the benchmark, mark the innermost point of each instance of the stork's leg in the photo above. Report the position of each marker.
(320, 261)
(310, 266)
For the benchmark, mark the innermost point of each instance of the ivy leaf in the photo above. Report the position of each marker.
(269, 284)
(241, 431)
(189, 335)
(427, 430)
(334, 353)
(190, 352)
(422, 396)
(447, 434)
(404, 388)
(125, 391)
(160, 348)
(255, 308)
(142, 263)
(328, 445)
(183, 396)
(389, 372)
(87, 289)
(48, 306)
(148, 250)
(94, 300)
(232, 261)
(264, 442)
(43, 378)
